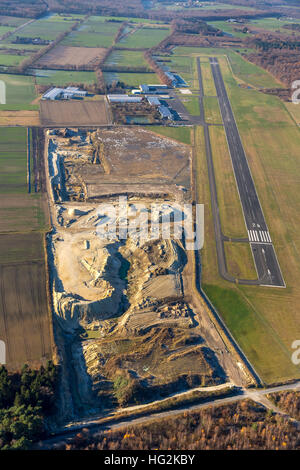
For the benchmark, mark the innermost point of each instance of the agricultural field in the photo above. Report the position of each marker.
(144, 37)
(93, 33)
(13, 21)
(126, 59)
(24, 320)
(20, 92)
(18, 209)
(273, 24)
(24, 315)
(214, 6)
(19, 48)
(263, 320)
(130, 79)
(5, 29)
(10, 60)
(47, 29)
(63, 78)
(75, 56)
(74, 113)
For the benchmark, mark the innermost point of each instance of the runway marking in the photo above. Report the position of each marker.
(259, 236)
(262, 236)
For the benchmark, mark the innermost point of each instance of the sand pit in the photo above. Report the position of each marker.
(122, 298)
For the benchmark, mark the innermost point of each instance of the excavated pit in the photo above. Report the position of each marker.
(119, 303)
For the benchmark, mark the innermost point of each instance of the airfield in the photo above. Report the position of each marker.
(238, 158)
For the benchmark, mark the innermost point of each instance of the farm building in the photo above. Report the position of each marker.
(63, 93)
(124, 99)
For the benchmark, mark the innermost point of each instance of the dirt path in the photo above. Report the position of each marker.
(258, 396)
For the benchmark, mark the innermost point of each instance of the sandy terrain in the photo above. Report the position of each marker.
(122, 300)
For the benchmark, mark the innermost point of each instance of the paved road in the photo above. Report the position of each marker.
(267, 265)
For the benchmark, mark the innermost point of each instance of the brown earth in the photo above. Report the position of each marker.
(74, 56)
(24, 320)
(74, 113)
(19, 118)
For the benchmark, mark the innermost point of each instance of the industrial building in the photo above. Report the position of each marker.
(63, 93)
(124, 99)
(153, 89)
(165, 113)
(153, 100)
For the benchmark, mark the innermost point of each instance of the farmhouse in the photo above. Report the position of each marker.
(64, 93)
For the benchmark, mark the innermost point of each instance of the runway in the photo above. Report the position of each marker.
(267, 265)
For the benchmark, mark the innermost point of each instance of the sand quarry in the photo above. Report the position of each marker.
(122, 316)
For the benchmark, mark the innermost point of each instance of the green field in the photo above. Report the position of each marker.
(145, 37)
(18, 209)
(212, 110)
(10, 59)
(182, 134)
(24, 316)
(246, 72)
(47, 29)
(191, 103)
(268, 24)
(20, 92)
(18, 47)
(5, 29)
(62, 78)
(126, 59)
(93, 33)
(13, 20)
(121, 19)
(274, 24)
(264, 321)
(131, 79)
(180, 64)
(204, 6)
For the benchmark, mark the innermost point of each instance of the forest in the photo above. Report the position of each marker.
(238, 426)
(26, 399)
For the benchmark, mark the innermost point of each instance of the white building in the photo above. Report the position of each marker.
(124, 99)
(63, 93)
